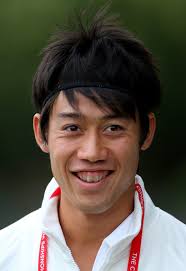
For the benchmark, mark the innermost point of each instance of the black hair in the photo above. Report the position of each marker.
(104, 62)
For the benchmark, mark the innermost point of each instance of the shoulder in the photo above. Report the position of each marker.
(168, 236)
(167, 226)
(19, 237)
(172, 226)
(24, 224)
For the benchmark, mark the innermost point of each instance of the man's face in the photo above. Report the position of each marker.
(94, 155)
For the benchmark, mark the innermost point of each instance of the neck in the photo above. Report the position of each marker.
(78, 225)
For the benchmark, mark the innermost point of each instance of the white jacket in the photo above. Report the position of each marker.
(163, 243)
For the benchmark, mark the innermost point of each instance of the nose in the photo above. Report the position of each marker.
(93, 149)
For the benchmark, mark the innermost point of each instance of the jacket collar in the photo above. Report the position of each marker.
(118, 241)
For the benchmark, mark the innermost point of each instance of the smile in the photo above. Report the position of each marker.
(92, 176)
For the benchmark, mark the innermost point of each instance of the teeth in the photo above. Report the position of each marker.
(92, 177)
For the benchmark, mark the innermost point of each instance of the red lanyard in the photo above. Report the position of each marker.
(136, 242)
(135, 246)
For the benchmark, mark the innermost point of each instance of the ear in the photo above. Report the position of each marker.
(38, 135)
(150, 135)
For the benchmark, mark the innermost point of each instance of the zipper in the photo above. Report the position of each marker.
(76, 267)
(106, 261)
(69, 255)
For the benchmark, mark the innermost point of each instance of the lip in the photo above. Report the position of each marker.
(90, 170)
(92, 186)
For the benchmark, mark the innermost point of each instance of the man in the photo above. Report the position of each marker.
(95, 93)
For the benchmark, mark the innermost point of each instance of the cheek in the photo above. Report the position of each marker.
(60, 155)
(126, 147)
(56, 166)
(127, 154)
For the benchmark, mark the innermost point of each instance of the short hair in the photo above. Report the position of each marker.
(104, 62)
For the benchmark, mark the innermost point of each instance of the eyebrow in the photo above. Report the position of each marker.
(72, 115)
(78, 115)
(113, 116)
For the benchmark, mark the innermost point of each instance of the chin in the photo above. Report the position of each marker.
(94, 209)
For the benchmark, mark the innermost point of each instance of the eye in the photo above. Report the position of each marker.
(113, 128)
(71, 128)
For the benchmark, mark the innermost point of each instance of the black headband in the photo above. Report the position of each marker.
(66, 86)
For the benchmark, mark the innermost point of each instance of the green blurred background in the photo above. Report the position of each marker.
(25, 26)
